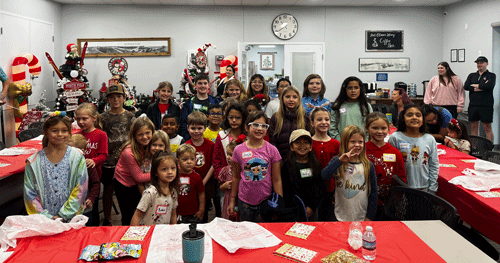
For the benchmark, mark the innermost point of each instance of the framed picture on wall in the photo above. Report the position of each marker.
(384, 64)
(461, 55)
(126, 47)
(267, 61)
(454, 55)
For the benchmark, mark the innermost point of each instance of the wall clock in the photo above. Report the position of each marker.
(285, 26)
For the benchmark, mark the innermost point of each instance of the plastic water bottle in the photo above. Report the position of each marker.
(369, 244)
(355, 238)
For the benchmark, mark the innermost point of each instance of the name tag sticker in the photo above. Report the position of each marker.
(248, 154)
(404, 146)
(389, 157)
(343, 110)
(197, 106)
(184, 180)
(161, 209)
(305, 173)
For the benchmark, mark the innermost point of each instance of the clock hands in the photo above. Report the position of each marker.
(283, 26)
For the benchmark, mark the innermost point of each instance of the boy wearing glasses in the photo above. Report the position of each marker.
(214, 120)
(197, 124)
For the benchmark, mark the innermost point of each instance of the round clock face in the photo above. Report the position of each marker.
(285, 26)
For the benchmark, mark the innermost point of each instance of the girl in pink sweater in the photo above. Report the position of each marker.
(133, 167)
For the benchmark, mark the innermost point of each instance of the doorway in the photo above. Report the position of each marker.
(495, 68)
(294, 61)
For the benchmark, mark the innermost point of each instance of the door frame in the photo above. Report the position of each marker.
(241, 46)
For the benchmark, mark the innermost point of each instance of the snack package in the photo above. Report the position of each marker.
(90, 253)
(115, 250)
(341, 256)
(111, 251)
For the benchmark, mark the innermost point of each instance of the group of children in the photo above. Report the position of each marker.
(172, 165)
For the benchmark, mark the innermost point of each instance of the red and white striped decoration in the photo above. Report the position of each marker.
(19, 68)
(19, 77)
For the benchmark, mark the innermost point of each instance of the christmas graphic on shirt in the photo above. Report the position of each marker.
(184, 186)
(200, 159)
(352, 183)
(255, 169)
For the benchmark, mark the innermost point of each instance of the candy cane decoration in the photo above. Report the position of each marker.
(23, 89)
(229, 60)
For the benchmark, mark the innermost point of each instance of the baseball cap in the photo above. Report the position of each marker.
(481, 59)
(115, 88)
(299, 133)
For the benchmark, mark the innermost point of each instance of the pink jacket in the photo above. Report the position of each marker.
(128, 172)
(441, 95)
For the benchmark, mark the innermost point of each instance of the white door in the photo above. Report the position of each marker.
(13, 42)
(24, 35)
(302, 60)
(40, 42)
(242, 64)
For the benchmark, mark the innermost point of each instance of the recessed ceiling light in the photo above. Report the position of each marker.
(267, 46)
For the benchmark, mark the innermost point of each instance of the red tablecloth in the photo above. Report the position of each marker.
(481, 213)
(17, 163)
(395, 243)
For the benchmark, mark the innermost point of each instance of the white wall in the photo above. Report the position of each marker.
(342, 29)
(468, 25)
(279, 59)
(45, 10)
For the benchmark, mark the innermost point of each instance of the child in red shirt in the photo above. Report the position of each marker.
(387, 160)
(325, 149)
(204, 152)
(164, 105)
(96, 151)
(191, 206)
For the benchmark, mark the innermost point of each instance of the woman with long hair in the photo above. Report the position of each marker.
(445, 90)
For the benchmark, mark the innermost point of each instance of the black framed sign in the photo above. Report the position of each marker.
(384, 40)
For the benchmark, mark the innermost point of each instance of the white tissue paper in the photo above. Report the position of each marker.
(484, 177)
(236, 235)
(15, 227)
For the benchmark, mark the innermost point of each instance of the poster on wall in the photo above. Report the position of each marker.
(126, 47)
(384, 41)
(384, 64)
(267, 61)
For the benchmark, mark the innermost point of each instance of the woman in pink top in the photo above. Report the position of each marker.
(445, 90)
(133, 167)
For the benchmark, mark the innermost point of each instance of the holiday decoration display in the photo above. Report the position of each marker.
(73, 83)
(19, 89)
(118, 66)
(229, 60)
(36, 114)
(197, 64)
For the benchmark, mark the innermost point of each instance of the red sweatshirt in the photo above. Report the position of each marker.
(325, 151)
(97, 147)
(387, 161)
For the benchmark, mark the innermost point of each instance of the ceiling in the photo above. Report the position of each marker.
(269, 2)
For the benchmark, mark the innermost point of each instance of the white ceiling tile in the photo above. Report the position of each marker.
(309, 3)
(272, 2)
(336, 2)
(282, 2)
(255, 2)
(67, 1)
(201, 2)
(173, 2)
(227, 2)
(118, 2)
(365, 2)
(146, 2)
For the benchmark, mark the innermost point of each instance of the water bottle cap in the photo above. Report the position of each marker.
(369, 228)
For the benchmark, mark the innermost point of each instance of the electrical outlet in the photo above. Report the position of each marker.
(466, 25)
